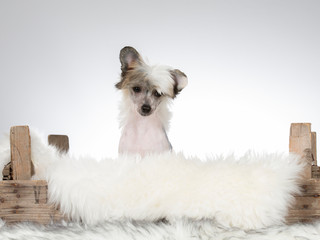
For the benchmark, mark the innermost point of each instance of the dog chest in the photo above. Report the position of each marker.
(144, 136)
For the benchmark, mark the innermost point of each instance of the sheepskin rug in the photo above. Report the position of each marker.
(176, 230)
(167, 196)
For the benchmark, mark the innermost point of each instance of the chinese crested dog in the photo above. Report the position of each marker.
(144, 114)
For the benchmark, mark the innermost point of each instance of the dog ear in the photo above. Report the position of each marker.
(180, 79)
(129, 57)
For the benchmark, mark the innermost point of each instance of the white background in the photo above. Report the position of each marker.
(253, 68)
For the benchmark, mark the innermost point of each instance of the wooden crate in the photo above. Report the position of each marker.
(22, 199)
(26, 200)
(307, 206)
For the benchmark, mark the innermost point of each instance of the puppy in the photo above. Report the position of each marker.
(144, 114)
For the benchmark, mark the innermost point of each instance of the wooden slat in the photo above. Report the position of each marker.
(61, 142)
(26, 200)
(30, 191)
(312, 203)
(310, 187)
(307, 204)
(302, 215)
(42, 214)
(300, 142)
(20, 144)
(315, 172)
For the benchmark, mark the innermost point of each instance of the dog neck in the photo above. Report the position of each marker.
(144, 135)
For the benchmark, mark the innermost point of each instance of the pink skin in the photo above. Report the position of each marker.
(143, 135)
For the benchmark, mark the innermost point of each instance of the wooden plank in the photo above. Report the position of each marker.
(42, 214)
(310, 187)
(26, 200)
(300, 142)
(300, 137)
(61, 142)
(312, 203)
(20, 144)
(302, 215)
(315, 172)
(307, 205)
(32, 191)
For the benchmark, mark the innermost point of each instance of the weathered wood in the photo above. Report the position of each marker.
(302, 215)
(312, 203)
(315, 172)
(20, 144)
(26, 200)
(310, 187)
(61, 142)
(23, 199)
(307, 205)
(300, 142)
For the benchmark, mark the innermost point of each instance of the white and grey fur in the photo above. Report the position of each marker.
(147, 91)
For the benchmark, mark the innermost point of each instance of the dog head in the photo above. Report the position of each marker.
(148, 85)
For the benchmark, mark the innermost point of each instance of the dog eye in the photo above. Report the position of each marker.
(136, 89)
(155, 93)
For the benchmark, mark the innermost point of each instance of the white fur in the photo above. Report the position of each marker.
(175, 230)
(251, 192)
(160, 77)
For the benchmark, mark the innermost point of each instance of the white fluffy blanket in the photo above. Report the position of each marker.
(252, 192)
(176, 230)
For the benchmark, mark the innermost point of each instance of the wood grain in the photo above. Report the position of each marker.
(300, 142)
(307, 205)
(26, 200)
(20, 144)
(23, 199)
(302, 215)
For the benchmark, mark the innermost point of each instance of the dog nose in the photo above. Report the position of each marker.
(145, 108)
